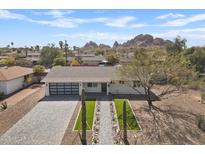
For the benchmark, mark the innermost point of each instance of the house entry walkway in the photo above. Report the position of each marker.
(105, 130)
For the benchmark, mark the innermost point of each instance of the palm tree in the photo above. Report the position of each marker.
(66, 51)
(61, 44)
(12, 44)
(37, 47)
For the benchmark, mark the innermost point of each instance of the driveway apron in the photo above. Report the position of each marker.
(44, 124)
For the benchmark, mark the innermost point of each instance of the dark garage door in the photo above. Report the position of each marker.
(64, 88)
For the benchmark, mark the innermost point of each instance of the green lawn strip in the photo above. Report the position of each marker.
(131, 120)
(90, 108)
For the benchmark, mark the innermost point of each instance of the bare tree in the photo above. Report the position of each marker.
(148, 69)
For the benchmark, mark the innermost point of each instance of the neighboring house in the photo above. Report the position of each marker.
(71, 80)
(88, 59)
(14, 78)
(34, 57)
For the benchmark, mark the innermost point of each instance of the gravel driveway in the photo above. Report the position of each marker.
(44, 124)
(105, 132)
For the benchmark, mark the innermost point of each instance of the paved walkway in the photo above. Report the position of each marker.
(105, 132)
(44, 124)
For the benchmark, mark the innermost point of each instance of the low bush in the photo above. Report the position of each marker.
(3, 106)
(201, 122)
(196, 84)
(203, 96)
(2, 95)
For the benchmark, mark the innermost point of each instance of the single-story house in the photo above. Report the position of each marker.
(88, 60)
(14, 78)
(71, 80)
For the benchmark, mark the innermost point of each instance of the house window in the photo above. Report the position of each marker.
(95, 84)
(92, 84)
(89, 84)
(121, 82)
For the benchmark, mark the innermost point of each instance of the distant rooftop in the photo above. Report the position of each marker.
(89, 58)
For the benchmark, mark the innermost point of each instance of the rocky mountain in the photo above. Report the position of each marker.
(104, 46)
(116, 44)
(143, 40)
(90, 44)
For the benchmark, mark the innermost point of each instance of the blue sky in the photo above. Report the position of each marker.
(31, 27)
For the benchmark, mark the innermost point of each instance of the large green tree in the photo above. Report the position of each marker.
(38, 70)
(48, 54)
(59, 60)
(113, 58)
(196, 56)
(177, 46)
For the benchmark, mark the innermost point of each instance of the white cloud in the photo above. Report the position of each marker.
(195, 32)
(185, 21)
(60, 23)
(195, 36)
(120, 22)
(5, 14)
(170, 15)
(58, 13)
(69, 22)
(99, 37)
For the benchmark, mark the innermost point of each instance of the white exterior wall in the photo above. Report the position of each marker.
(80, 88)
(14, 85)
(116, 88)
(93, 89)
(91, 63)
(47, 89)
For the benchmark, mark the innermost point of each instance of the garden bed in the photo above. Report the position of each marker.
(90, 109)
(132, 123)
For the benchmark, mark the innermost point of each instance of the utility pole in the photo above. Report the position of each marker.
(66, 52)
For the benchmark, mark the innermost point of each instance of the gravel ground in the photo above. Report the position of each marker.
(175, 124)
(105, 132)
(44, 124)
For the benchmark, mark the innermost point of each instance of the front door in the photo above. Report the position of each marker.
(104, 87)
